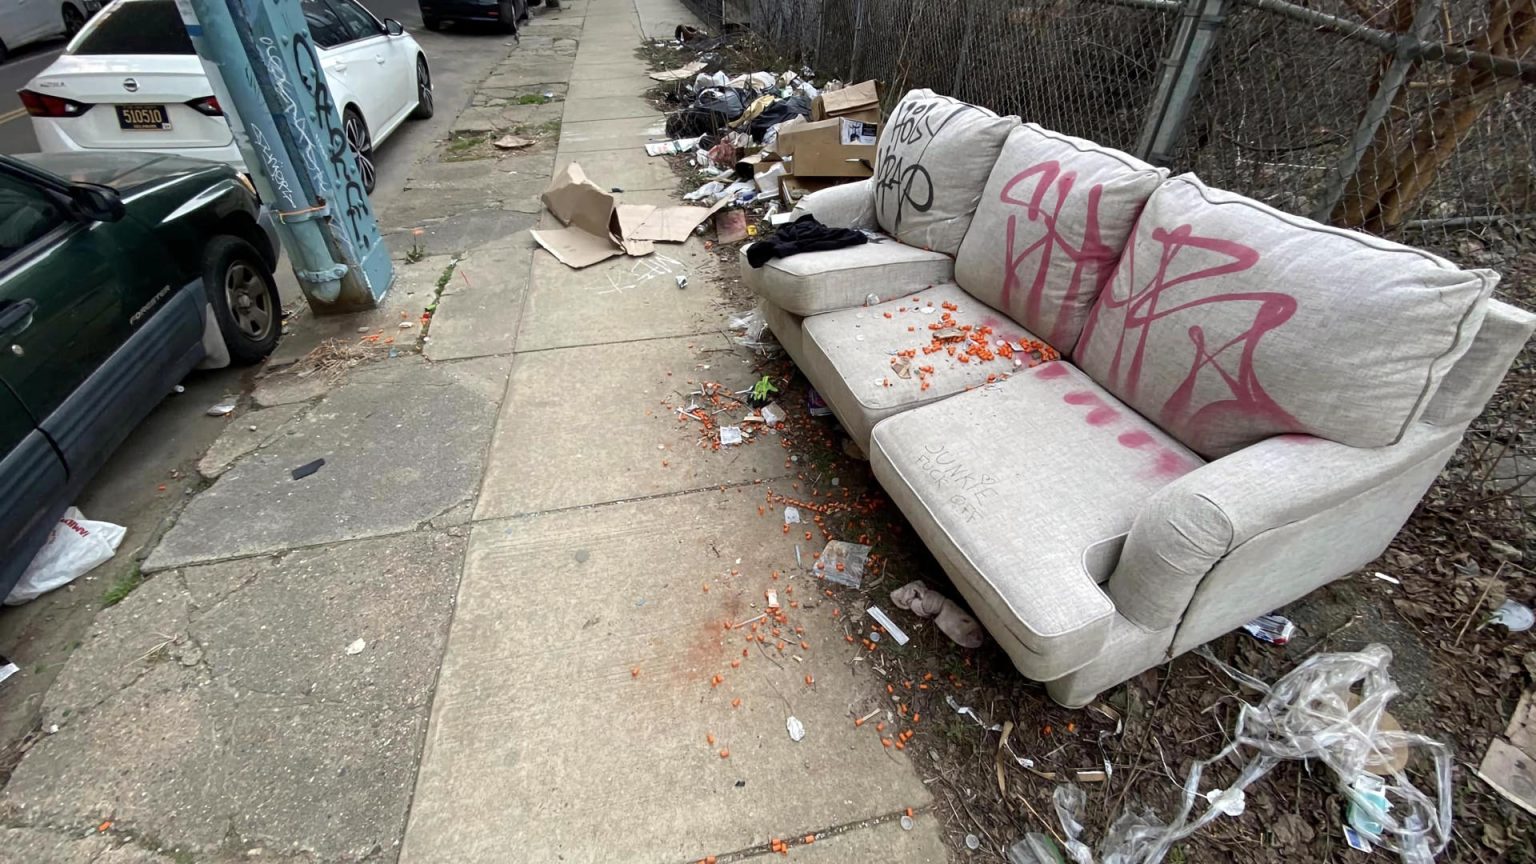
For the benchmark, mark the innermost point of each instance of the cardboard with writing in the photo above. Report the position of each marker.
(837, 147)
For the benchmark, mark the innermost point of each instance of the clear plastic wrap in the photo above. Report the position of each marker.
(1311, 713)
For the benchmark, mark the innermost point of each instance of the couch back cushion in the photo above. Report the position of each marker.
(1227, 322)
(1053, 218)
(934, 156)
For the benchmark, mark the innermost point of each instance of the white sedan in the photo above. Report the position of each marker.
(130, 80)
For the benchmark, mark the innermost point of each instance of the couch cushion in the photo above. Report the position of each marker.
(1052, 222)
(1227, 322)
(848, 354)
(932, 161)
(1017, 489)
(814, 282)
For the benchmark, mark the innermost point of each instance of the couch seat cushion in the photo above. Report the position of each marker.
(814, 282)
(933, 159)
(1228, 322)
(1024, 491)
(1052, 222)
(848, 354)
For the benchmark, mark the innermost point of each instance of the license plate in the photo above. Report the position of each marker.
(142, 118)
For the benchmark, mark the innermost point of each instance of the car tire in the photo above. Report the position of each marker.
(360, 142)
(244, 299)
(74, 19)
(424, 102)
(506, 17)
(522, 10)
(433, 24)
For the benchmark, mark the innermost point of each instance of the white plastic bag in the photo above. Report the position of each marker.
(75, 547)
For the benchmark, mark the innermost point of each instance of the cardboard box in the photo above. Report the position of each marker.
(857, 102)
(792, 189)
(837, 147)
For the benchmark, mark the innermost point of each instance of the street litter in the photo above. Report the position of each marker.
(222, 409)
(307, 469)
(598, 227)
(791, 516)
(676, 145)
(682, 282)
(922, 601)
(885, 621)
(680, 74)
(7, 668)
(1509, 764)
(513, 142)
(1310, 714)
(357, 646)
(1518, 617)
(730, 435)
(773, 599)
(1385, 578)
(773, 415)
(843, 563)
(1274, 629)
(796, 729)
(74, 547)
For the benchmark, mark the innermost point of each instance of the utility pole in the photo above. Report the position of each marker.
(262, 64)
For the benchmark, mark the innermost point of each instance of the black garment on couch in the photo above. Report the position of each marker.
(802, 235)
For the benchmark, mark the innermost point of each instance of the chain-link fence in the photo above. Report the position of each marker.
(1396, 116)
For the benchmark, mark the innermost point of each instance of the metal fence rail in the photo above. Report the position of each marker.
(1395, 116)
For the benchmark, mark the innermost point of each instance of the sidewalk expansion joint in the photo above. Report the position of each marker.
(714, 487)
(819, 835)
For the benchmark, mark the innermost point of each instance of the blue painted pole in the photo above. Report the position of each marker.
(264, 71)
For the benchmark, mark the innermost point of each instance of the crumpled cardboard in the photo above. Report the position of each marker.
(598, 227)
(856, 102)
(680, 74)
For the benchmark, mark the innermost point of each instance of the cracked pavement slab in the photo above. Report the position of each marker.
(394, 458)
(169, 713)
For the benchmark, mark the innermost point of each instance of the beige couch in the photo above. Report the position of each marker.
(1248, 405)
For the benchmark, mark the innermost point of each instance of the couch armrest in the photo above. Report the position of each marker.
(850, 205)
(1191, 524)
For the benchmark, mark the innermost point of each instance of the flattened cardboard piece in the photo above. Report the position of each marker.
(679, 74)
(595, 222)
(672, 224)
(576, 248)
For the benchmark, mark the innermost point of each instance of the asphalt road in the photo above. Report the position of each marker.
(16, 127)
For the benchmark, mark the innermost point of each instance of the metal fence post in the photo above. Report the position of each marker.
(1188, 55)
(858, 33)
(1404, 56)
(263, 69)
(962, 62)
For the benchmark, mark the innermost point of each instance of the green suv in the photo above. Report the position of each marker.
(119, 274)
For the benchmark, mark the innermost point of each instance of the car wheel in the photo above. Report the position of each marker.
(433, 24)
(424, 106)
(244, 298)
(522, 10)
(506, 17)
(361, 144)
(73, 20)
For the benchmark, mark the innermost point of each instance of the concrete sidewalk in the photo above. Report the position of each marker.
(494, 626)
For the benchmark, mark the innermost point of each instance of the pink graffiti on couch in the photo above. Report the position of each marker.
(1231, 359)
(1091, 260)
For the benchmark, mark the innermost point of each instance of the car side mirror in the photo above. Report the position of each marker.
(96, 203)
(393, 27)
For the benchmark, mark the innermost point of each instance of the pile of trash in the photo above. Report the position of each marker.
(766, 139)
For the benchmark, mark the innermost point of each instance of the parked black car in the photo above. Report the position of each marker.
(503, 13)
